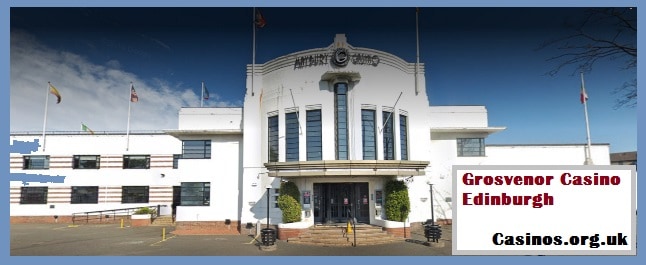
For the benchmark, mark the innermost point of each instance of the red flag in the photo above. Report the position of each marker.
(260, 19)
(584, 96)
(133, 94)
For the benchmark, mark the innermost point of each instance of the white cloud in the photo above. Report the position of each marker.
(96, 95)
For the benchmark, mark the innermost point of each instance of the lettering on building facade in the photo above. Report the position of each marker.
(339, 57)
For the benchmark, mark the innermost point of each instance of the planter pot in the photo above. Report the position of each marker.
(291, 230)
(140, 219)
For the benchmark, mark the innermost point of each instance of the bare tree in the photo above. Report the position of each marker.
(602, 34)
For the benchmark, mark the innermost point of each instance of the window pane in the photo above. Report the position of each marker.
(313, 134)
(272, 124)
(471, 146)
(86, 162)
(403, 136)
(368, 132)
(35, 162)
(134, 194)
(195, 193)
(176, 161)
(388, 136)
(196, 149)
(85, 194)
(291, 139)
(341, 115)
(136, 161)
(33, 195)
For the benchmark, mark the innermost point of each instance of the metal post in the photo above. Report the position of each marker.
(268, 188)
(432, 208)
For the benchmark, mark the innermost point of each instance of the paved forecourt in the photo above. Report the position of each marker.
(112, 240)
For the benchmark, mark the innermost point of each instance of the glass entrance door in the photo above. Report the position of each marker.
(335, 202)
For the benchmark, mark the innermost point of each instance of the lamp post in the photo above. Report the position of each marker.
(432, 208)
(268, 189)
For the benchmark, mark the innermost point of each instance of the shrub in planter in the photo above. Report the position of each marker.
(144, 210)
(290, 189)
(290, 207)
(397, 202)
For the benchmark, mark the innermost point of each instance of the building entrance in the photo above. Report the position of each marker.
(335, 202)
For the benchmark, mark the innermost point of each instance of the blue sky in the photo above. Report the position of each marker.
(473, 56)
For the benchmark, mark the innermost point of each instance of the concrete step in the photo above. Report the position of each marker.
(335, 236)
(163, 221)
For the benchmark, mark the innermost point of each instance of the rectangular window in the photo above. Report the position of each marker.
(85, 194)
(134, 194)
(35, 162)
(136, 161)
(291, 136)
(176, 161)
(471, 147)
(388, 136)
(196, 194)
(86, 162)
(369, 141)
(33, 195)
(341, 115)
(272, 126)
(314, 135)
(403, 136)
(196, 149)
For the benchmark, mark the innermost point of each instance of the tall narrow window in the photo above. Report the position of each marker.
(368, 130)
(388, 136)
(291, 136)
(176, 158)
(341, 115)
(403, 136)
(272, 124)
(314, 136)
(196, 149)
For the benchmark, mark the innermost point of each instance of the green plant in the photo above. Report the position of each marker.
(289, 202)
(144, 210)
(291, 209)
(290, 189)
(397, 202)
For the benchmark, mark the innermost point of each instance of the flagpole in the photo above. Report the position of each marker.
(417, 42)
(253, 49)
(128, 126)
(588, 158)
(202, 99)
(45, 116)
(391, 113)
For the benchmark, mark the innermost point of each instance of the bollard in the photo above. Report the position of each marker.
(121, 222)
(163, 233)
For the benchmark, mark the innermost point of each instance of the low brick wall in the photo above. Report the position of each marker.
(398, 232)
(285, 233)
(206, 228)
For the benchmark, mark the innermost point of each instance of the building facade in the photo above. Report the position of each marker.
(338, 121)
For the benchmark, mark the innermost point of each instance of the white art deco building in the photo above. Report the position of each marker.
(338, 121)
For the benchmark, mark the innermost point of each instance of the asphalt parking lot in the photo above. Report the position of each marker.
(112, 240)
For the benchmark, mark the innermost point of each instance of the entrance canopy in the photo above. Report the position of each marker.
(325, 168)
